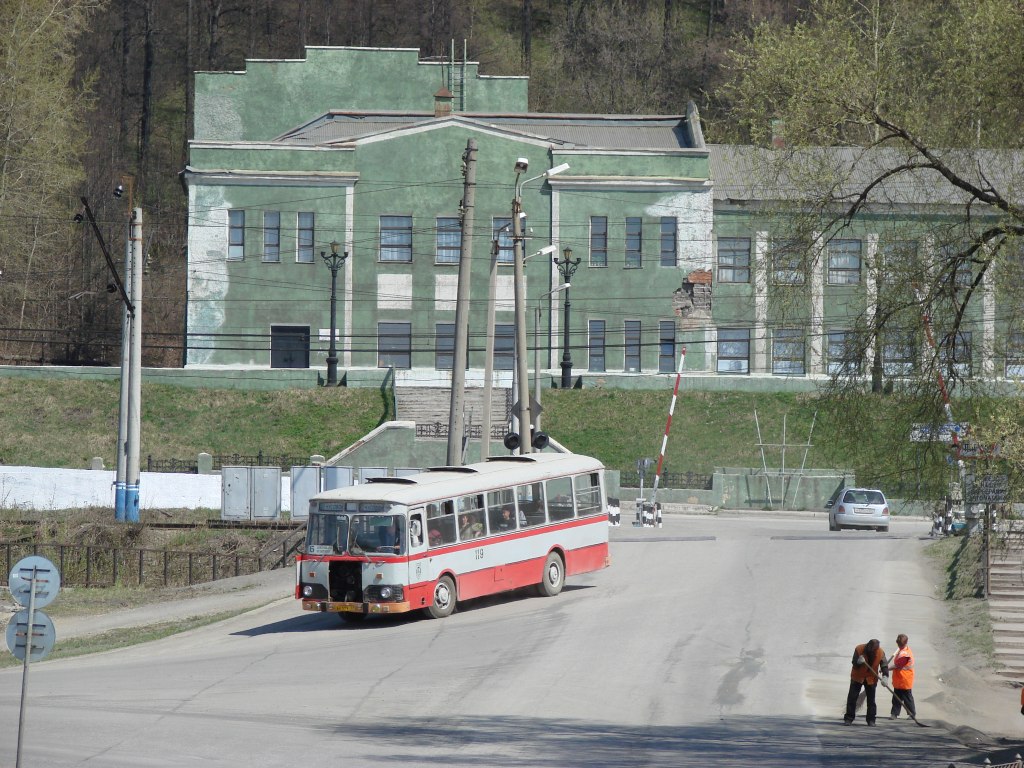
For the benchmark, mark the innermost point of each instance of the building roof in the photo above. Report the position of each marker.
(659, 132)
(745, 173)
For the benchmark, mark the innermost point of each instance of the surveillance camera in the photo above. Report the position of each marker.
(118, 190)
(522, 164)
(78, 218)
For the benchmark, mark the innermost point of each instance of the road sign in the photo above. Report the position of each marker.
(943, 433)
(40, 639)
(42, 572)
(987, 489)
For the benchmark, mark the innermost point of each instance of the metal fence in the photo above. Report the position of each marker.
(440, 429)
(630, 478)
(221, 460)
(94, 566)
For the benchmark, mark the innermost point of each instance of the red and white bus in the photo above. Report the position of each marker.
(426, 541)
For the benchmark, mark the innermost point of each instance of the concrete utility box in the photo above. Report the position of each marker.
(335, 477)
(250, 493)
(305, 485)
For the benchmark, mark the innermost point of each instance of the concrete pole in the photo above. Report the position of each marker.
(522, 366)
(131, 496)
(122, 408)
(456, 415)
(485, 426)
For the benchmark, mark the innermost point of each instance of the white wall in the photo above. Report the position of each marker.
(38, 488)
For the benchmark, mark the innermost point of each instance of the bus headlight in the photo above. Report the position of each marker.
(385, 593)
(307, 591)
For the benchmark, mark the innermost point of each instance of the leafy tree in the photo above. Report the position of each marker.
(41, 144)
(909, 113)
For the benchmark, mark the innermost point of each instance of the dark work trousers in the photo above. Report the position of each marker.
(851, 701)
(903, 697)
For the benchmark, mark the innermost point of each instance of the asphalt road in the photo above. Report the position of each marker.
(709, 642)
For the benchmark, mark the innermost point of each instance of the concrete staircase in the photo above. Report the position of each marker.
(1006, 608)
(428, 407)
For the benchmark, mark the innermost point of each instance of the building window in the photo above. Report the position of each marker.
(396, 238)
(394, 345)
(668, 242)
(842, 353)
(631, 331)
(666, 346)
(1015, 355)
(271, 235)
(444, 346)
(504, 346)
(734, 259)
(501, 227)
(844, 262)
(595, 345)
(733, 350)
(236, 234)
(599, 241)
(899, 353)
(449, 240)
(634, 242)
(964, 273)
(289, 346)
(787, 259)
(305, 238)
(900, 261)
(788, 352)
(955, 354)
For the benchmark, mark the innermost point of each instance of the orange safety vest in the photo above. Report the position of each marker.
(867, 674)
(903, 669)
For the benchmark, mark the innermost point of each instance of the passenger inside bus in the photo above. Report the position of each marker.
(470, 527)
(507, 521)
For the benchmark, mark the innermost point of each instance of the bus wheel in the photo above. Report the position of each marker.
(347, 617)
(444, 599)
(552, 578)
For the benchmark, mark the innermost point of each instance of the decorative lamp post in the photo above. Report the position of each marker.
(567, 268)
(333, 262)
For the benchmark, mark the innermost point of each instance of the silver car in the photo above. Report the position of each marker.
(858, 508)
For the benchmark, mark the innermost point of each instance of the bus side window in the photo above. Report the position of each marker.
(531, 507)
(588, 493)
(441, 524)
(559, 495)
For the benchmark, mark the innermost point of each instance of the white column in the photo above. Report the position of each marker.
(817, 266)
(759, 342)
(872, 268)
(988, 323)
(349, 269)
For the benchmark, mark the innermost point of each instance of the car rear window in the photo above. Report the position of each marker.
(864, 497)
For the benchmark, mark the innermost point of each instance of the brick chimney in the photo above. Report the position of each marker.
(443, 102)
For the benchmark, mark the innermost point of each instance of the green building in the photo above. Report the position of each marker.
(364, 148)
(362, 151)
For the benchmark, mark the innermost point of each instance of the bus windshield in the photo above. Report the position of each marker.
(354, 529)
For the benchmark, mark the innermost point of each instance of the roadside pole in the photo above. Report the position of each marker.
(456, 409)
(131, 495)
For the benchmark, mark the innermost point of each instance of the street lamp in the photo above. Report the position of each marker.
(333, 262)
(523, 392)
(566, 268)
(536, 350)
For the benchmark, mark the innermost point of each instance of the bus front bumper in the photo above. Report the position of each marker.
(325, 606)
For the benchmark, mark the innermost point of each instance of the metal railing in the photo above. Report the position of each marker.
(630, 478)
(440, 430)
(94, 566)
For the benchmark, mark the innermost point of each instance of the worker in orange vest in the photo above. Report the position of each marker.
(903, 679)
(868, 662)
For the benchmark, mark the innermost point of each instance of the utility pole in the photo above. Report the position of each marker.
(485, 426)
(456, 418)
(522, 375)
(120, 478)
(131, 495)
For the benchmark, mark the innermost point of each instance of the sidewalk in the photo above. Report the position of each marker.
(239, 593)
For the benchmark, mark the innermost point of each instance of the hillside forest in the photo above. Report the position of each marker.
(97, 94)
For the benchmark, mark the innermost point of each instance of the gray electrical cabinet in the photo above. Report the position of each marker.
(335, 477)
(305, 485)
(250, 493)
